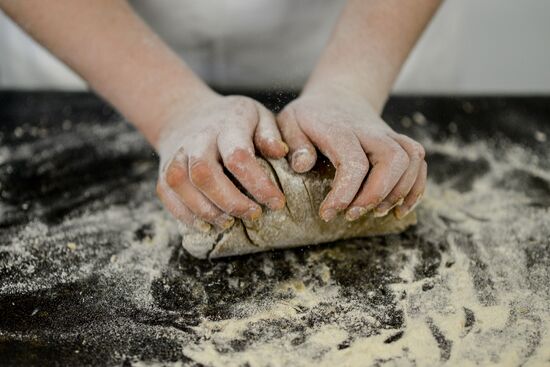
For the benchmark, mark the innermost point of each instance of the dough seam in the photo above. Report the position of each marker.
(309, 195)
(215, 244)
(298, 224)
(280, 185)
(247, 235)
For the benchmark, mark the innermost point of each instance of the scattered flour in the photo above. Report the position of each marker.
(470, 286)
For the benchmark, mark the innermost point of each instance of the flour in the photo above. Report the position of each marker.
(505, 321)
(469, 285)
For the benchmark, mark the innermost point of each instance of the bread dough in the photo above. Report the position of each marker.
(297, 224)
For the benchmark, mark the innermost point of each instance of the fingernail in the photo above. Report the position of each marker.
(381, 211)
(253, 213)
(285, 147)
(225, 221)
(401, 212)
(369, 207)
(276, 203)
(328, 215)
(301, 160)
(416, 202)
(384, 208)
(201, 225)
(355, 213)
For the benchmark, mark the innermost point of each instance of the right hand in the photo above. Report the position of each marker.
(196, 145)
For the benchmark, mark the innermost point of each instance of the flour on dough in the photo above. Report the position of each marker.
(297, 225)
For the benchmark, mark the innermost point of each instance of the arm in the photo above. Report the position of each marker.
(370, 44)
(112, 49)
(196, 132)
(338, 111)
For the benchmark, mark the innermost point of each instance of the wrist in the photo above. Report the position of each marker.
(163, 102)
(348, 85)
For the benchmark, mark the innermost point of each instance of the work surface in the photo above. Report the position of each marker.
(92, 270)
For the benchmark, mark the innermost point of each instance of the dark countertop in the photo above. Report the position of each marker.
(92, 271)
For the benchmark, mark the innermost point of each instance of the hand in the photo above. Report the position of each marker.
(346, 129)
(199, 142)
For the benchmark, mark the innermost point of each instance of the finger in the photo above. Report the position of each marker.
(415, 195)
(237, 153)
(302, 152)
(389, 162)
(207, 175)
(267, 137)
(351, 163)
(416, 154)
(173, 204)
(177, 178)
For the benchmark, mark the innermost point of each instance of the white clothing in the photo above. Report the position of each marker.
(471, 46)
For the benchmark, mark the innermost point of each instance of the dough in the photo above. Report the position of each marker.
(297, 225)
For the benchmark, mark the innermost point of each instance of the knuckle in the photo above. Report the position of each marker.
(285, 116)
(395, 155)
(359, 165)
(398, 155)
(175, 175)
(264, 133)
(235, 162)
(243, 106)
(418, 151)
(201, 173)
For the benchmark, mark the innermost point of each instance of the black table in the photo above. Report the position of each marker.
(92, 271)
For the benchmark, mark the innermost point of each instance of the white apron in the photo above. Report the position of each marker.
(469, 46)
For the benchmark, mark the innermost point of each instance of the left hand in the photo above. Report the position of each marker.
(346, 128)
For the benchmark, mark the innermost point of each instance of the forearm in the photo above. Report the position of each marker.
(370, 43)
(109, 46)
